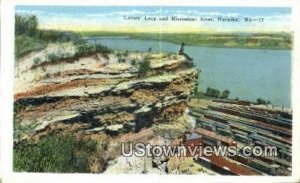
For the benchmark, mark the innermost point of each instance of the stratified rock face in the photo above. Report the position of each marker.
(98, 90)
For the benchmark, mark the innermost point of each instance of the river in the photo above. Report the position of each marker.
(248, 73)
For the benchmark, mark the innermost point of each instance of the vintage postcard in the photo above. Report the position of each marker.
(153, 89)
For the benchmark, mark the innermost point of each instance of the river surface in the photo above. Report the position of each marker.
(248, 73)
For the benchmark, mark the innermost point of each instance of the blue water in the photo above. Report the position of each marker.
(248, 73)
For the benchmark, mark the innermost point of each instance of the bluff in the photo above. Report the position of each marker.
(114, 92)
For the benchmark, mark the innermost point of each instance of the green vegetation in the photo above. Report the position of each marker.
(144, 67)
(58, 36)
(225, 94)
(87, 49)
(133, 62)
(212, 93)
(82, 49)
(26, 24)
(25, 44)
(53, 57)
(230, 40)
(215, 93)
(121, 56)
(262, 101)
(54, 153)
(37, 60)
(29, 38)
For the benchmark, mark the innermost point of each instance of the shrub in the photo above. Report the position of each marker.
(133, 62)
(36, 60)
(25, 44)
(86, 49)
(126, 53)
(102, 49)
(119, 55)
(225, 94)
(52, 57)
(54, 153)
(144, 67)
(211, 92)
(262, 101)
(58, 36)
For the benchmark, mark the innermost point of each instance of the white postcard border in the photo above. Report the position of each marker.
(7, 78)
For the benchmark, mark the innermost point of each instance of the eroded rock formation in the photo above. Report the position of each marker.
(103, 92)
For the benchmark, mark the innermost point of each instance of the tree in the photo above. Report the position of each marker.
(262, 101)
(211, 92)
(225, 94)
(26, 24)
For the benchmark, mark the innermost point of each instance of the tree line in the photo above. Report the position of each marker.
(215, 93)
(27, 25)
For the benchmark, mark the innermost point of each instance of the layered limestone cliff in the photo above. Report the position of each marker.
(104, 93)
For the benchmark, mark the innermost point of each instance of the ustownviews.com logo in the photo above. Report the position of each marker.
(146, 149)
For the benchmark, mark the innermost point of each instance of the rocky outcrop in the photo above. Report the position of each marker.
(104, 92)
(135, 165)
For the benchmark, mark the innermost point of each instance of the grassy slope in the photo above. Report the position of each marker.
(232, 40)
(25, 45)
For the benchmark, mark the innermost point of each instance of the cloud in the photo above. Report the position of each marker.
(276, 21)
(157, 13)
(29, 12)
(116, 13)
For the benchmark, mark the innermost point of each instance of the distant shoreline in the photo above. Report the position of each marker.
(272, 41)
(206, 46)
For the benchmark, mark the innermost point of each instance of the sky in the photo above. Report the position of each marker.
(111, 18)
